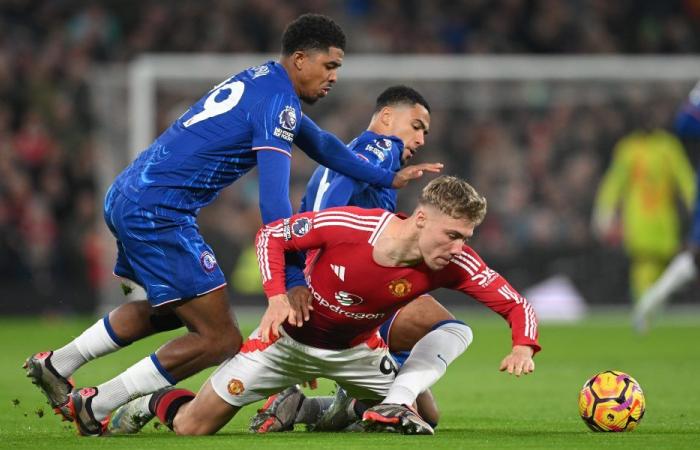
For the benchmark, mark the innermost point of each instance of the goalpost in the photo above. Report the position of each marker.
(148, 70)
(127, 97)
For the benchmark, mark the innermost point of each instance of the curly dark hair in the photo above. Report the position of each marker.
(312, 32)
(400, 95)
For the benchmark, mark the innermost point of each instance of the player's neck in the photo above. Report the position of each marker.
(377, 127)
(288, 65)
(397, 246)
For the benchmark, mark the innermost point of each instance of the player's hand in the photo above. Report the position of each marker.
(301, 302)
(278, 310)
(519, 362)
(409, 173)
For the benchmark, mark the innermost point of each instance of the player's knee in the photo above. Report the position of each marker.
(165, 322)
(457, 328)
(223, 346)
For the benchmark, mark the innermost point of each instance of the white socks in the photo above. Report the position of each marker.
(428, 361)
(98, 340)
(144, 377)
(679, 272)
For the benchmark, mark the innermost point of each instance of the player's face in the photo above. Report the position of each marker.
(318, 72)
(441, 237)
(410, 124)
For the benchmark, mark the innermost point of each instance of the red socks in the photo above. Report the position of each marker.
(167, 402)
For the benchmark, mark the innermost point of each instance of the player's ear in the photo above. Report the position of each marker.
(298, 58)
(386, 116)
(421, 218)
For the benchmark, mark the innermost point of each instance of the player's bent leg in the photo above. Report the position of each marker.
(414, 321)
(51, 371)
(679, 272)
(139, 319)
(426, 364)
(207, 413)
(179, 409)
(644, 271)
(213, 336)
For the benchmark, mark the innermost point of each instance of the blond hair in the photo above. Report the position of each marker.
(454, 197)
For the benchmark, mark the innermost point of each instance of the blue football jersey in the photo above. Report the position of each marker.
(328, 188)
(215, 142)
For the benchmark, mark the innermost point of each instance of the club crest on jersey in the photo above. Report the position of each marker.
(400, 287)
(235, 387)
(208, 261)
(384, 144)
(348, 299)
(301, 226)
(259, 71)
(288, 118)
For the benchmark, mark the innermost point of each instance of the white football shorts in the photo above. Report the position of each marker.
(365, 371)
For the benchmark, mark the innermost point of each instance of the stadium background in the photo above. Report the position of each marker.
(537, 150)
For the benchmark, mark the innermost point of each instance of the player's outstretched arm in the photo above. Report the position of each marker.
(485, 285)
(328, 150)
(519, 361)
(409, 173)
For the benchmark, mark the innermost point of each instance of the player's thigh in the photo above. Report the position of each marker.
(414, 321)
(257, 371)
(210, 314)
(206, 414)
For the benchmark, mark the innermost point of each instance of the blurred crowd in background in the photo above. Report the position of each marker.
(538, 162)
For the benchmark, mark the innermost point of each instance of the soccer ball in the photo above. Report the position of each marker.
(611, 401)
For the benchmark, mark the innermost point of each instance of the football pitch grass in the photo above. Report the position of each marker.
(481, 408)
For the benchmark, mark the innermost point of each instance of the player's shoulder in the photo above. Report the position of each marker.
(270, 80)
(348, 220)
(377, 145)
(354, 211)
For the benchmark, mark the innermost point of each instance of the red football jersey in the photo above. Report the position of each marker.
(353, 294)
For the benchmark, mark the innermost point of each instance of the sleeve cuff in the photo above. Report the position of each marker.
(388, 178)
(295, 283)
(273, 290)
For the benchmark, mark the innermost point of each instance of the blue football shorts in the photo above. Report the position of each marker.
(167, 256)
